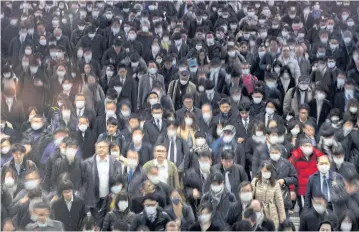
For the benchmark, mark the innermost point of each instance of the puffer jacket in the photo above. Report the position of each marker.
(115, 215)
(305, 168)
(272, 198)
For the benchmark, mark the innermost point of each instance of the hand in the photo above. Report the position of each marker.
(195, 194)
(38, 83)
(280, 182)
(240, 140)
(54, 199)
(24, 200)
(293, 196)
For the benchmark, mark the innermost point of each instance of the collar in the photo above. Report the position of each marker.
(165, 164)
(98, 159)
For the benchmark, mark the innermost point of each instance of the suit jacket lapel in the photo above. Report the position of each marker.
(95, 172)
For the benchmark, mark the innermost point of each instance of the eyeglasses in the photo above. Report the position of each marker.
(161, 151)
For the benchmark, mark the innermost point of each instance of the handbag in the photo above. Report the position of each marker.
(286, 196)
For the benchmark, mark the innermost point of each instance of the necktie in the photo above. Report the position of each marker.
(325, 187)
(228, 184)
(158, 124)
(172, 151)
(190, 142)
(130, 174)
(246, 123)
(269, 117)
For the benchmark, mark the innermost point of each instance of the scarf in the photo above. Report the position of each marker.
(204, 147)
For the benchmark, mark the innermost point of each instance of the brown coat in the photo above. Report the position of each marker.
(272, 199)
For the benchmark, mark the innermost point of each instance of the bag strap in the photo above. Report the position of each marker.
(255, 188)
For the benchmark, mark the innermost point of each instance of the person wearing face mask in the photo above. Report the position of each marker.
(147, 82)
(12, 108)
(37, 87)
(351, 113)
(63, 41)
(77, 33)
(155, 126)
(338, 164)
(328, 140)
(311, 219)
(285, 173)
(85, 136)
(93, 40)
(179, 210)
(44, 222)
(168, 71)
(304, 161)
(342, 99)
(298, 95)
(220, 198)
(133, 166)
(9, 79)
(237, 209)
(178, 46)
(319, 106)
(121, 211)
(206, 219)
(270, 113)
(139, 145)
(268, 190)
(179, 88)
(347, 222)
(17, 44)
(233, 173)
(287, 59)
(152, 216)
(209, 95)
(75, 213)
(69, 162)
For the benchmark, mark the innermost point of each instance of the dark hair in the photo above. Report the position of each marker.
(194, 124)
(242, 225)
(205, 205)
(121, 226)
(351, 216)
(227, 154)
(326, 222)
(41, 205)
(8, 169)
(122, 196)
(243, 184)
(112, 121)
(269, 166)
(250, 214)
(17, 147)
(88, 222)
(286, 224)
(156, 107)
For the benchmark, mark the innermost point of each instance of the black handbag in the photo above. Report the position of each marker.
(286, 196)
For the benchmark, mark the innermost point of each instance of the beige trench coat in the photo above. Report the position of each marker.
(272, 200)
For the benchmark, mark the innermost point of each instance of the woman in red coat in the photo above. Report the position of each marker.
(304, 160)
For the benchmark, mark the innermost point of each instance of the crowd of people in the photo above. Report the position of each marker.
(179, 115)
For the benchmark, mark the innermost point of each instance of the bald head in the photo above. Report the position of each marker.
(256, 206)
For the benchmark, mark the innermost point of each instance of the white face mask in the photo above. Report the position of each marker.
(269, 110)
(346, 226)
(246, 197)
(5, 150)
(122, 205)
(154, 179)
(200, 142)
(204, 218)
(188, 121)
(216, 188)
(274, 156)
(207, 116)
(295, 131)
(31, 184)
(9, 181)
(205, 167)
(319, 208)
(324, 169)
(150, 210)
(266, 175)
(338, 161)
(132, 163)
(83, 128)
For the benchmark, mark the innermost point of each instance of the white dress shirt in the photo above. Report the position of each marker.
(80, 112)
(103, 169)
(163, 170)
(69, 203)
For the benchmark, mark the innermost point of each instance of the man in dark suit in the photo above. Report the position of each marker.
(321, 183)
(319, 106)
(206, 122)
(209, 97)
(339, 165)
(144, 149)
(342, 98)
(99, 174)
(233, 173)
(111, 95)
(12, 108)
(81, 110)
(177, 148)
(133, 170)
(188, 107)
(69, 208)
(85, 137)
(178, 47)
(129, 87)
(270, 113)
(153, 128)
(101, 121)
(196, 180)
(244, 123)
(311, 218)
